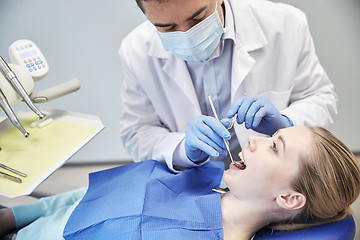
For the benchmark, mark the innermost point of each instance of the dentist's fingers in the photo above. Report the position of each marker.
(205, 132)
(234, 107)
(259, 116)
(206, 145)
(205, 135)
(255, 106)
(244, 108)
(226, 122)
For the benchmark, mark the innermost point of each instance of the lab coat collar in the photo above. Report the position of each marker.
(156, 48)
(172, 66)
(249, 37)
(249, 34)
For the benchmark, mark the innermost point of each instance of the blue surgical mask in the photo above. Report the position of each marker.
(198, 43)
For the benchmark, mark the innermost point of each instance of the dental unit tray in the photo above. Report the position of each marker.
(46, 150)
(17, 78)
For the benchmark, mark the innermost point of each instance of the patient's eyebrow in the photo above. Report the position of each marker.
(281, 138)
(283, 142)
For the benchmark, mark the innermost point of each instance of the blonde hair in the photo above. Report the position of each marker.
(329, 178)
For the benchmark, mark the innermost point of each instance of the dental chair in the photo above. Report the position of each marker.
(340, 230)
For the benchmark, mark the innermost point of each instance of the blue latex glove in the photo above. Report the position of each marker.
(259, 114)
(204, 137)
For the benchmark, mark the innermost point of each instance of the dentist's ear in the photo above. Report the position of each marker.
(291, 201)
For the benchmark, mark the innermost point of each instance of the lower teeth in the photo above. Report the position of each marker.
(242, 164)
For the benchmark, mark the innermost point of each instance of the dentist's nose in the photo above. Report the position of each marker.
(185, 27)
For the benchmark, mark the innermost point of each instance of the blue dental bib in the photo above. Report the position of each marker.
(146, 200)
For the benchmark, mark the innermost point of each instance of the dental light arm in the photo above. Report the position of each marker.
(56, 91)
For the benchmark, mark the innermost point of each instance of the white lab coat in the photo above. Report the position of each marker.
(273, 56)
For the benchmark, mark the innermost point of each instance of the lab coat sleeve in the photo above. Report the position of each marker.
(142, 133)
(313, 99)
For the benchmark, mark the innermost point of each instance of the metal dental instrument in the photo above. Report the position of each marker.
(12, 170)
(10, 75)
(10, 177)
(226, 142)
(10, 113)
(233, 121)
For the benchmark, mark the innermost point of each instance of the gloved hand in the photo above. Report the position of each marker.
(259, 114)
(203, 137)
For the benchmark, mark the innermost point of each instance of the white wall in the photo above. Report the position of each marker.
(81, 38)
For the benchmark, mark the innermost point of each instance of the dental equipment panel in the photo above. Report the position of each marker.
(10, 75)
(17, 81)
(26, 54)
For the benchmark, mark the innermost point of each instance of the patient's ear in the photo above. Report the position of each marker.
(291, 201)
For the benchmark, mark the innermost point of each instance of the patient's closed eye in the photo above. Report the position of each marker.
(274, 146)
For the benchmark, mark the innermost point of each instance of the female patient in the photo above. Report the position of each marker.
(299, 177)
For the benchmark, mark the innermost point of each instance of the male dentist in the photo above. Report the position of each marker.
(255, 58)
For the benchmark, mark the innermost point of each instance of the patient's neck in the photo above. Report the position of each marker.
(241, 219)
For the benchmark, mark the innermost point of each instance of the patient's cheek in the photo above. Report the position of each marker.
(227, 177)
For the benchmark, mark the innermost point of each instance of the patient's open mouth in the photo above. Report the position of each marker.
(241, 164)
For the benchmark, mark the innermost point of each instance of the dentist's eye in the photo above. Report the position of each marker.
(274, 147)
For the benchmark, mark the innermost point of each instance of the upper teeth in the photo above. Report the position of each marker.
(241, 157)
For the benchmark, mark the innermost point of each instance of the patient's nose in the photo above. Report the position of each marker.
(252, 143)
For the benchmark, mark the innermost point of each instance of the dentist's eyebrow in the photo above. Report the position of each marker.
(164, 25)
(160, 25)
(196, 13)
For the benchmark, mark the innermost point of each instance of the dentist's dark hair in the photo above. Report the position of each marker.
(140, 5)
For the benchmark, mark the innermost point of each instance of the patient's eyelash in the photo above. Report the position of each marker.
(274, 147)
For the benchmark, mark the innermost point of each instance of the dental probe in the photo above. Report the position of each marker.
(10, 177)
(12, 170)
(10, 113)
(226, 142)
(10, 75)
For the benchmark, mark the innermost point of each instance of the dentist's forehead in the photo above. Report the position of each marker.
(173, 7)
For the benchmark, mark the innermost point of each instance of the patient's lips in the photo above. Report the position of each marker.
(238, 164)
